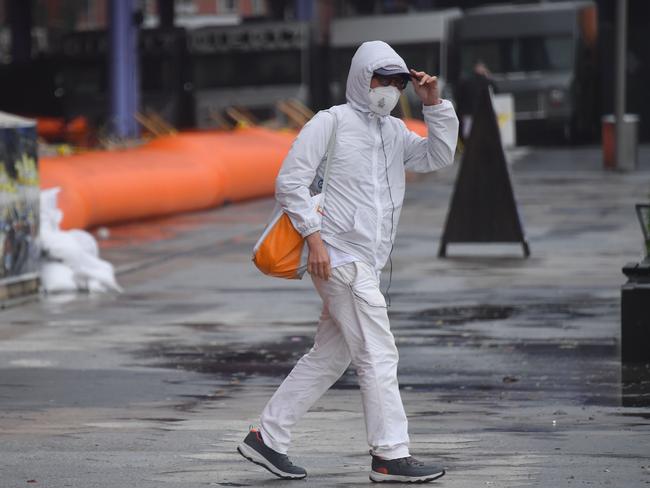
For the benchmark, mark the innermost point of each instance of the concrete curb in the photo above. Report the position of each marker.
(15, 289)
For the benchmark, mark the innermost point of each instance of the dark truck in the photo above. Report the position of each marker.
(543, 54)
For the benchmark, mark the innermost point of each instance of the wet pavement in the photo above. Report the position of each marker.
(509, 368)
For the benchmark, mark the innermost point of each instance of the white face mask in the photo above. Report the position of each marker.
(383, 99)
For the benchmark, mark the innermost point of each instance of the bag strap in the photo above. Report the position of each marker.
(330, 150)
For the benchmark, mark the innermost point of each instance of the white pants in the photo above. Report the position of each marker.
(353, 328)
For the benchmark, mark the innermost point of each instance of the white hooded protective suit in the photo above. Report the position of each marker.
(366, 186)
(361, 209)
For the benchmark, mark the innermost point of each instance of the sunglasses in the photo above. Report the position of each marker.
(397, 81)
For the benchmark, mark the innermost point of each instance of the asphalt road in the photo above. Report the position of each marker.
(509, 367)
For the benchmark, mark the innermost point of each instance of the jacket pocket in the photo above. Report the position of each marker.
(365, 287)
(362, 228)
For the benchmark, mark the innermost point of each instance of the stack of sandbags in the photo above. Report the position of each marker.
(70, 259)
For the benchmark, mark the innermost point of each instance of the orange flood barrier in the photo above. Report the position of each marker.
(171, 174)
(417, 126)
(176, 173)
(74, 131)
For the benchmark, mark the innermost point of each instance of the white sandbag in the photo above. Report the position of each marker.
(57, 278)
(86, 241)
(94, 274)
(76, 250)
(50, 215)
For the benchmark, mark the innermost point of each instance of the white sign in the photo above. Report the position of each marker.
(504, 108)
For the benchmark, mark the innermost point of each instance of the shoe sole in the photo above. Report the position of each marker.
(388, 478)
(255, 457)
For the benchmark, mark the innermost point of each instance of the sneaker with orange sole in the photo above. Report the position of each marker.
(404, 470)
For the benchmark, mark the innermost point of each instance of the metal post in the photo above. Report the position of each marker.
(166, 14)
(20, 19)
(621, 52)
(304, 9)
(124, 76)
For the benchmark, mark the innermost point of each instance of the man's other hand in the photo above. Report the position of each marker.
(318, 262)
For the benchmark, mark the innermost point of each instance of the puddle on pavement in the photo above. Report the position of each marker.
(549, 313)
(201, 326)
(235, 360)
(570, 361)
(457, 315)
(159, 419)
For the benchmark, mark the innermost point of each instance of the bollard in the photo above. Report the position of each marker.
(635, 300)
(635, 313)
(629, 141)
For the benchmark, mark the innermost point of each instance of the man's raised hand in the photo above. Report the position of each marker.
(426, 87)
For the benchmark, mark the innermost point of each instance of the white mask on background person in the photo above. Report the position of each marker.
(383, 99)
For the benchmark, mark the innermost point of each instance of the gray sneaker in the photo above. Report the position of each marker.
(254, 449)
(404, 470)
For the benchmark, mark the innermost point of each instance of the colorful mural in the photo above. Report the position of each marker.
(19, 197)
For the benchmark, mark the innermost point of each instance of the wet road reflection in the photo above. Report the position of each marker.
(455, 352)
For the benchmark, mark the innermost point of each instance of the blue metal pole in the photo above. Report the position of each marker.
(304, 9)
(124, 75)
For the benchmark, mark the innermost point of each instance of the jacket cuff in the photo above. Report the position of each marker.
(308, 230)
(431, 109)
(308, 225)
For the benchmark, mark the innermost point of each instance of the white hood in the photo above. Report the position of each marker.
(369, 57)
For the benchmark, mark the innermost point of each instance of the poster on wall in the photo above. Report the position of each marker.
(19, 197)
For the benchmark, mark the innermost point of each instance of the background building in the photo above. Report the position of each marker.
(63, 64)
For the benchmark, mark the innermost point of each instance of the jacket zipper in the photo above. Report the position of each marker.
(375, 175)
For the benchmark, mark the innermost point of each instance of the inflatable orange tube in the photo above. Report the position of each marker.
(48, 127)
(417, 126)
(56, 128)
(171, 174)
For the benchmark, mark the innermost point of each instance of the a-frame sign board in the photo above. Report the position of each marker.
(483, 207)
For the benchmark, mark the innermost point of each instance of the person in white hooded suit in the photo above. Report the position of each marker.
(349, 242)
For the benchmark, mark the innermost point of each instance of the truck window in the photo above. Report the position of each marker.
(524, 54)
(546, 54)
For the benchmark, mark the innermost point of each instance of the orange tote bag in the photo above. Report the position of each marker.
(280, 250)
